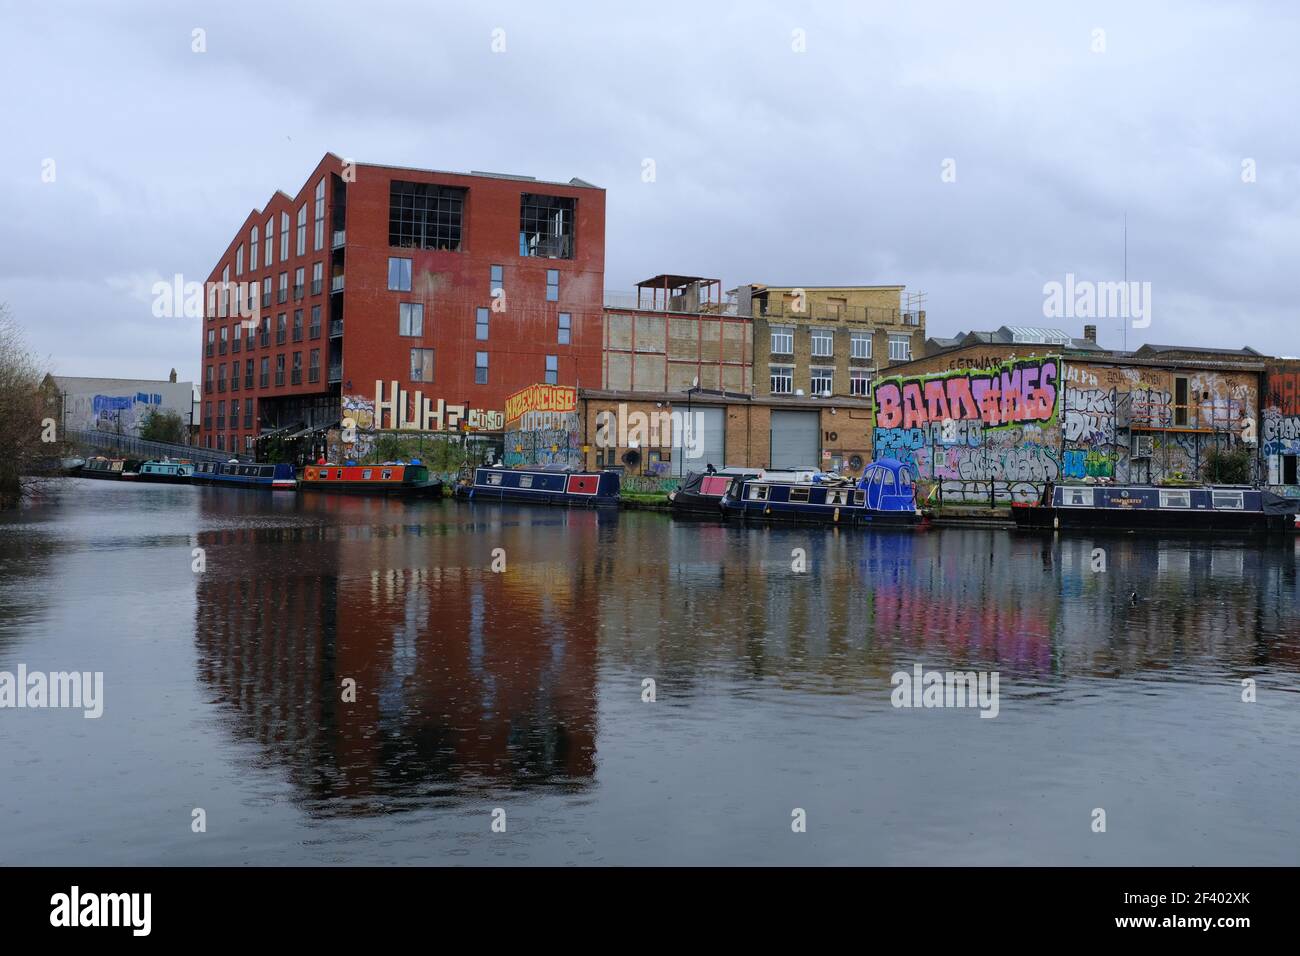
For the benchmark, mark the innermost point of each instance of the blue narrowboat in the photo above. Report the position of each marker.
(239, 474)
(1190, 508)
(166, 471)
(885, 496)
(549, 485)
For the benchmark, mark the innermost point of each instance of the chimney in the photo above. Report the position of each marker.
(172, 377)
(1090, 333)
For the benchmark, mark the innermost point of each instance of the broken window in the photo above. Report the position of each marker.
(425, 216)
(546, 226)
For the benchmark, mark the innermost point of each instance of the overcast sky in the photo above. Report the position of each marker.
(789, 147)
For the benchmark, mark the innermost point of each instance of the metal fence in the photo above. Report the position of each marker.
(132, 447)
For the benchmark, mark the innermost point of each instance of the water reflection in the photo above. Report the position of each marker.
(469, 678)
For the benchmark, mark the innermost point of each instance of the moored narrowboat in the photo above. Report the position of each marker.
(400, 480)
(885, 496)
(166, 472)
(549, 485)
(241, 474)
(110, 469)
(701, 493)
(1233, 509)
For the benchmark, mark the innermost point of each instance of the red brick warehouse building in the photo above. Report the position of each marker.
(459, 288)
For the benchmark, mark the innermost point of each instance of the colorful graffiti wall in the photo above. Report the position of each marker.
(1280, 427)
(1106, 406)
(1006, 430)
(966, 427)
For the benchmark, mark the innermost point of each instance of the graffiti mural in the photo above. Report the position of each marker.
(1001, 432)
(967, 428)
(1280, 427)
(1017, 392)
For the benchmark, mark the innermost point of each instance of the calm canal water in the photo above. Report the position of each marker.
(522, 690)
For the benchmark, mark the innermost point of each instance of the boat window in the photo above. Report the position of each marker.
(494, 479)
(859, 497)
(1076, 497)
(525, 481)
(1230, 500)
(837, 496)
(758, 492)
(366, 473)
(268, 471)
(904, 478)
(887, 481)
(798, 494)
(1175, 499)
(386, 473)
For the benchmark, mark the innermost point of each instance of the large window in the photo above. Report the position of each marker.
(263, 377)
(822, 380)
(297, 368)
(480, 368)
(319, 237)
(301, 248)
(552, 285)
(481, 324)
(900, 348)
(410, 318)
(552, 369)
(860, 345)
(421, 365)
(299, 278)
(546, 226)
(566, 327)
(270, 243)
(823, 343)
(281, 329)
(253, 250)
(782, 340)
(266, 288)
(425, 216)
(399, 274)
(284, 237)
(282, 294)
(313, 370)
(279, 370)
(315, 322)
(239, 260)
(496, 280)
(297, 325)
(317, 277)
(859, 381)
(782, 379)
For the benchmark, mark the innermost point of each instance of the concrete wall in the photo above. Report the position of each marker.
(119, 405)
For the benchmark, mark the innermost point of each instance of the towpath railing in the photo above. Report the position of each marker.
(128, 446)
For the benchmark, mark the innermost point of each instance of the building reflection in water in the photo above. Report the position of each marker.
(464, 677)
(469, 679)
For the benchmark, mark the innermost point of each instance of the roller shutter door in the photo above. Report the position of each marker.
(796, 439)
(711, 425)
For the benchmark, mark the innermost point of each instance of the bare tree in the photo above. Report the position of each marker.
(28, 414)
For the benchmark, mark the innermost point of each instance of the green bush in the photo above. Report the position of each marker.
(163, 424)
(1227, 466)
